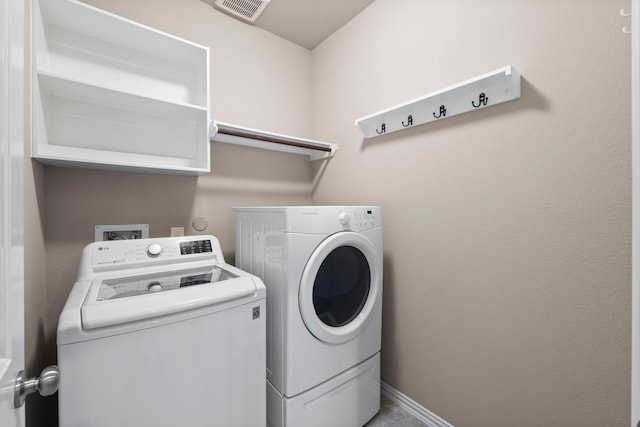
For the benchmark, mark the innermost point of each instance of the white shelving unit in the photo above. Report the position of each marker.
(240, 135)
(487, 90)
(110, 93)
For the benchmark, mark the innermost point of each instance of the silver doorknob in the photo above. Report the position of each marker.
(46, 384)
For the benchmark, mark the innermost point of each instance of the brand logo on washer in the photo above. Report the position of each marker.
(256, 312)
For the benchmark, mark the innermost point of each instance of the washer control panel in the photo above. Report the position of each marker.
(195, 247)
(129, 253)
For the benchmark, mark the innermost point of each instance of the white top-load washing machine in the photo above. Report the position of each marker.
(322, 266)
(162, 332)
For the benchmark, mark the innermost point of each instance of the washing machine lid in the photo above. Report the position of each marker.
(126, 287)
(340, 287)
(117, 300)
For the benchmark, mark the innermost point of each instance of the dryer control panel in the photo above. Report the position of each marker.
(314, 219)
(359, 219)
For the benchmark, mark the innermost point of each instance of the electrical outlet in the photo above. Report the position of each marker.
(121, 232)
(177, 231)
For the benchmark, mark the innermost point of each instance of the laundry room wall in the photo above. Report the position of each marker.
(507, 284)
(257, 80)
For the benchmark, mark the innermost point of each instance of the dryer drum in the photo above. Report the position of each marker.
(341, 286)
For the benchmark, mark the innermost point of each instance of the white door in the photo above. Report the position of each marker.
(635, 143)
(11, 207)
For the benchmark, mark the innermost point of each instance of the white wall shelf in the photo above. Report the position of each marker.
(487, 90)
(110, 93)
(239, 135)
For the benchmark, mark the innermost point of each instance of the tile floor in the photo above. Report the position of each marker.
(393, 415)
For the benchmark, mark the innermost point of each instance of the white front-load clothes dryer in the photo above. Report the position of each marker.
(322, 266)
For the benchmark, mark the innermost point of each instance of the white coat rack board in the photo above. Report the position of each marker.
(487, 90)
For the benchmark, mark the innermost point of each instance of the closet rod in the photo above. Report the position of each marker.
(276, 139)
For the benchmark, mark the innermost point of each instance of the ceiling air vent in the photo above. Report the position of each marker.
(247, 10)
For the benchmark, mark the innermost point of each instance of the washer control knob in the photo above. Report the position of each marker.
(344, 218)
(154, 250)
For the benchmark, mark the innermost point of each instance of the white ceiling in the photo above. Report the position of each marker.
(308, 22)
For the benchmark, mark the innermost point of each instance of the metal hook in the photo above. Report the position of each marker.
(442, 113)
(409, 121)
(482, 100)
(383, 129)
(624, 30)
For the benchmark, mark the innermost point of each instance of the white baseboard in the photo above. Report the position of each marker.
(413, 407)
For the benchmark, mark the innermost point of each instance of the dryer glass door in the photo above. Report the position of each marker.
(339, 287)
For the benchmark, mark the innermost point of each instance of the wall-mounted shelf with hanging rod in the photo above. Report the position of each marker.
(487, 90)
(234, 134)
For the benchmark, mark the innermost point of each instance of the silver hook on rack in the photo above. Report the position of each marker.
(625, 14)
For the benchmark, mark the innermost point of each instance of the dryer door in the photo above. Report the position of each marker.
(340, 286)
